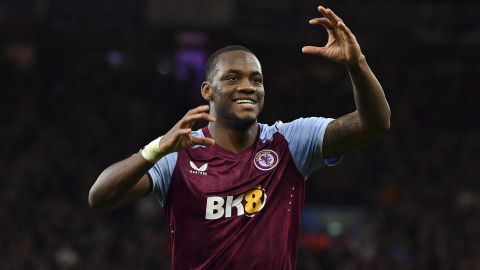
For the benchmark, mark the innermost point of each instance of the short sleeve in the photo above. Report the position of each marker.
(161, 174)
(305, 142)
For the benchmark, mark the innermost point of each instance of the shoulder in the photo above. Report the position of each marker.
(267, 131)
(297, 127)
(198, 133)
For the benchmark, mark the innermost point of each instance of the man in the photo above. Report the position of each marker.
(233, 190)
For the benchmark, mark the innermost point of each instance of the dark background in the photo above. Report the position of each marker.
(86, 83)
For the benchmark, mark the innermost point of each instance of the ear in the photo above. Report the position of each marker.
(206, 90)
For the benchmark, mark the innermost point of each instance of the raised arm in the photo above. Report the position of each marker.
(372, 115)
(126, 180)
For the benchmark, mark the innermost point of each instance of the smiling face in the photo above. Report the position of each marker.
(235, 90)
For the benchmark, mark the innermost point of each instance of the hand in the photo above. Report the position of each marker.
(342, 46)
(180, 136)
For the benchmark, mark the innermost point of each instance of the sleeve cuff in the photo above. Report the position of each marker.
(150, 187)
(333, 161)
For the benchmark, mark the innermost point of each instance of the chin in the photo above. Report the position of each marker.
(242, 123)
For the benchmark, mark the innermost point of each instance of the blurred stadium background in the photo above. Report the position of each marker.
(85, 83)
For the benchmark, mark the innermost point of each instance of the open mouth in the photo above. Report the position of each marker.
(244, 101)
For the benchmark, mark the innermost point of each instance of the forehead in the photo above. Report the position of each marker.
(238, 60)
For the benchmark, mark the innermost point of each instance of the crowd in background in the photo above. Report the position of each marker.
(66, 114)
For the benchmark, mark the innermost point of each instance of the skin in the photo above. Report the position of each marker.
(234, 126)
(372, 115)
(238, 75)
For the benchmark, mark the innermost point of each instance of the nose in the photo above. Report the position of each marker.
(246, 86)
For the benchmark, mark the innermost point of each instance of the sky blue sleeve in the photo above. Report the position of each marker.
(161, 174)
(305, 140)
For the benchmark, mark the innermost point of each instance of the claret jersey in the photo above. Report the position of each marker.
(240, 211)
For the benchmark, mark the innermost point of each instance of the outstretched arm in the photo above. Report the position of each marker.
(372, 115)
(126, 180)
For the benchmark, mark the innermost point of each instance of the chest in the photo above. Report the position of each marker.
(205, 171)
(208, 184)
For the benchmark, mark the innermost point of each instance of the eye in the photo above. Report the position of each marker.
(257, 80)
(231, 78)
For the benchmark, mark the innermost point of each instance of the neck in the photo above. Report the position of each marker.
(233, 140)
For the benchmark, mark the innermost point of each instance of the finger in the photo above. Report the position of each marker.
(324, 11)
(335, 16)
(182, 132)
(202, 108)
(203, 141)
(330, 15)
(199, 116)
(189, 120)
(345, 30)
(324, 22)
(313, 50)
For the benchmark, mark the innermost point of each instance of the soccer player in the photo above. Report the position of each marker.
(233, 191)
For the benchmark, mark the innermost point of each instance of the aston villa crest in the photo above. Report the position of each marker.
(266, 160)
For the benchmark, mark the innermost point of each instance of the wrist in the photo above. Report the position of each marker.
(151, 151)
(356, 64)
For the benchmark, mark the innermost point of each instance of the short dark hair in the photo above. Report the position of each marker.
(213, 59)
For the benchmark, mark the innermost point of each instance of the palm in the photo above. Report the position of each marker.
(340, 49)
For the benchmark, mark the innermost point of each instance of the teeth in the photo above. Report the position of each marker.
(243, 101)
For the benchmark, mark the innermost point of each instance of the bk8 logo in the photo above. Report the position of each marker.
(247, 204)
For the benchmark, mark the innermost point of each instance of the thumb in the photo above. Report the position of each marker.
(313, 50)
